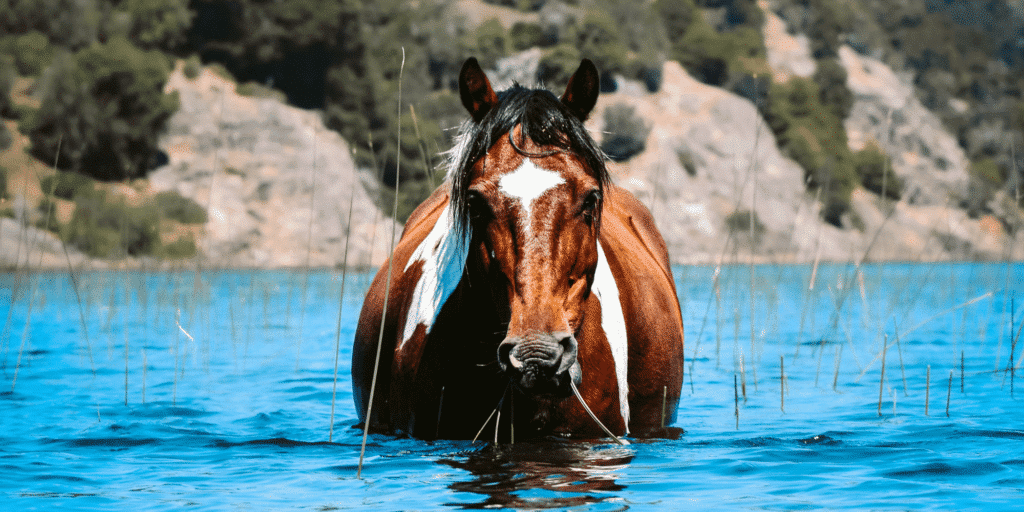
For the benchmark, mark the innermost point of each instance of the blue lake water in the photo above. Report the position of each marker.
(213, 391)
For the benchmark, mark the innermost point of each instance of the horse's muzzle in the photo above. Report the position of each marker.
(541, 363)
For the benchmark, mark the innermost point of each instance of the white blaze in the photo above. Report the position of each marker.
(526, 184)
(614, 325)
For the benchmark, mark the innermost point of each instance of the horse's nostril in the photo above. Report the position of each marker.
(569, 350)
(505, 358)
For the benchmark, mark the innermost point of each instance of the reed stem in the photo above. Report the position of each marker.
(664, 400)
(387, 289)
(927, 388)
(949, 392)
(592, 415)
(881, 379)
(736, 400)
(782, 383)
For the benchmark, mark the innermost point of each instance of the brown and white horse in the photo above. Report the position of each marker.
(525, 273)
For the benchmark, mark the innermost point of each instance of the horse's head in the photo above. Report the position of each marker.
(527, 192)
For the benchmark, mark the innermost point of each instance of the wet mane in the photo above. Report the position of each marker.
(545, 120)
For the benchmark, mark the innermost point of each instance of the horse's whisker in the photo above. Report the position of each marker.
(579, 397)
(488, 420)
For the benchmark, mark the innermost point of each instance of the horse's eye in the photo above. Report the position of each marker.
(479, 210)
(590, 205)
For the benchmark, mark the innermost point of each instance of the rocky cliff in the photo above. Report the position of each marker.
(720, 189)
(276, 183)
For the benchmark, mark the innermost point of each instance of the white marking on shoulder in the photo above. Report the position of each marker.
(614, 325)
(444, 258)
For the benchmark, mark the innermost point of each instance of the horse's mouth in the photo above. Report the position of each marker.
(532, 381)
(541, 364)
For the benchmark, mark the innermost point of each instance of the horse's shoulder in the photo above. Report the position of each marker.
(422, 219)
(627, 226)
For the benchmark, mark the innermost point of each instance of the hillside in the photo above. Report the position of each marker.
(750, 131)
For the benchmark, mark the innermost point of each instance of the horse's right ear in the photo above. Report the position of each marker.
(475, 90)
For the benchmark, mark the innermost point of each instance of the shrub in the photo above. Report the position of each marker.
(625, 132)
(6, 84)
(988, 172)
(47, 219)
(258, 90)
(558, 64)
(65, 185)
(831, 79)
(174, 206)
(6, 139)
(107, 228)
(193, 66)
(103, 108)
(3, 183)
(745, 221)
(32, 53)
(713, 57)
(523, 36)
(875, 174)
(490, 42)
(600, 39)
(157, 24)
(811, 134)
(182, 248)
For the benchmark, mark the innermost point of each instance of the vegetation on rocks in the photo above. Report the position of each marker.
(812, 134)
(102, 110)
(110, 227)
(964, 59)
(625, 132)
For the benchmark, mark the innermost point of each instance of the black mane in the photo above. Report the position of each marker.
(545, 120)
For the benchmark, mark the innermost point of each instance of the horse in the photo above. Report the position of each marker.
(526, 278)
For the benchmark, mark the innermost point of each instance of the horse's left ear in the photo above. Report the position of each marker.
(581, 93)
(475, 89)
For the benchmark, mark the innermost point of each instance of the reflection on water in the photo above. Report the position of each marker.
(566, 474)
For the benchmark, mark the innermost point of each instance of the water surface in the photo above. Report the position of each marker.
(214, 390)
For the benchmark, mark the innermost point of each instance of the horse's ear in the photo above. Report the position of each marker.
(475, 90)
(581, 93)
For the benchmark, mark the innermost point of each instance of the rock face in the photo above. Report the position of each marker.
(276, 183)
(928, 222)
(788, 55)
(886, 112)
(23, 246)
(711, 160)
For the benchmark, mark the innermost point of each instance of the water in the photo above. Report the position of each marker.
(213, 391)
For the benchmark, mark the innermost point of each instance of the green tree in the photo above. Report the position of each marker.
(71, 24)
(154, 24)
(811, 134)
(103, 108)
